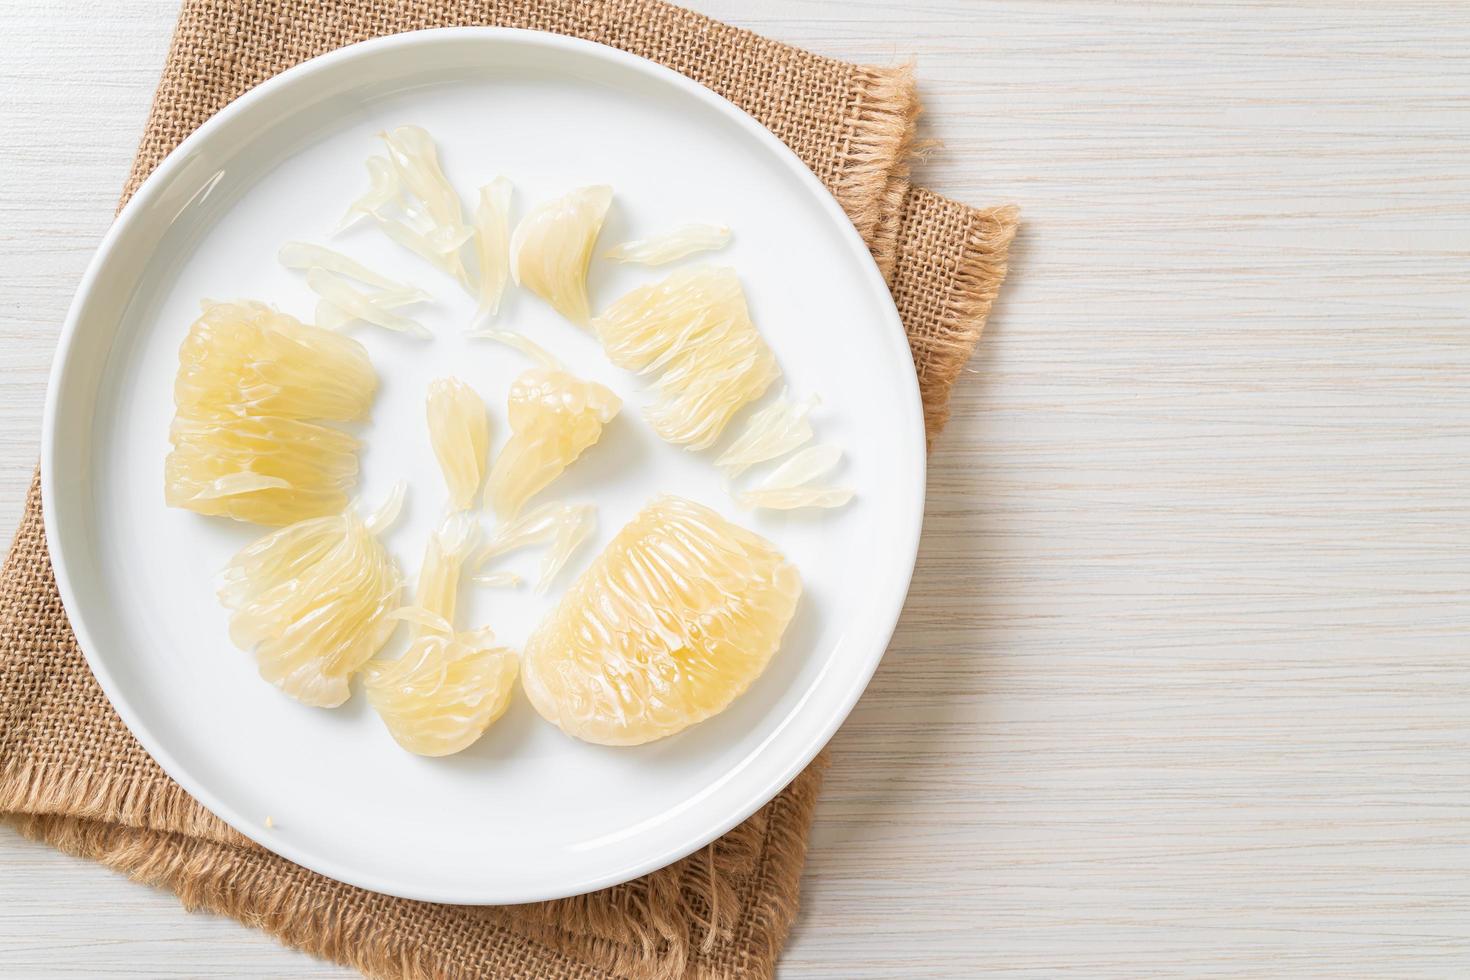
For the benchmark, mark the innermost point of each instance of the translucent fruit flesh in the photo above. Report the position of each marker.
(442, 694)
(552, 247)
(304, 256)
(448, 549)
(775, 430)
(263, 470)
(249, 379)
(554, 416)
(448, 687)
(314, 601)
(460, 435)
(672, 245)
(675, 619)
(377, 309)
(413, 203)
(492, 244)
(692, 330)
(249, 359)
(793, 484)
(562, 526)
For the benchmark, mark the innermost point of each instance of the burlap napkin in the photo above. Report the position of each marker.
(70, 773)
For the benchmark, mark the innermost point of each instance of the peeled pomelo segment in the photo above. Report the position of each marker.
(330, 317)
(263, 470)
(492, 244)
(790, 485)
(541, 393)
(382, 191)
(796, 497)
(415, 159)
(440, 247)
(305, 256)
(552, 247)
(569, 537)
(698, 399)
(554, 416)
(803, 467)
(460, 434)
(361, 306)
(775, 430)
(520, 342)
(250, 359)
(413, 203)
(674, 620)
(313, 600)
(445, 554)
(671, 245)
(535, 455)
(693, 331)
(444, 692)
(563, 526)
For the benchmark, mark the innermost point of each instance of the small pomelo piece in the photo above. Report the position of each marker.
(693, 331)
(250, 359)
(671, 245)
(448, 687)
(460, 434)
(492, 245)
(554, 416)
(552, 247)
(269, 471)
(442, 694)
(314, 601)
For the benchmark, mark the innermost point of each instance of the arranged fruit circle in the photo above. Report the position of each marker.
(672, 622)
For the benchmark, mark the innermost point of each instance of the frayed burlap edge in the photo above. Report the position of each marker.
(878, 139)
(953, 295)
(707, 899)
(217, 878)
(977, 283)
(36, 788)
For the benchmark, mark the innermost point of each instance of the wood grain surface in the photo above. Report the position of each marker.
(1182, 687)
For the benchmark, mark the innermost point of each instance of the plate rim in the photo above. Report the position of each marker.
(367, 878)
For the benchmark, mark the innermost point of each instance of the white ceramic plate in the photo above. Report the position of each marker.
(526, 813)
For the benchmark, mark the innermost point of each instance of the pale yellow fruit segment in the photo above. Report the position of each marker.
(263, 470)
(442, 694)
(694, 332)
(554, 416)
(448, 687)
(775, 430)
(552, 247)
(249, 379)
(460, 434)
(249, 359)
(313, 600)
(562, 526)
(792, 485)
(492, 244)
(674, 620)
(444, 558)
(672, 245)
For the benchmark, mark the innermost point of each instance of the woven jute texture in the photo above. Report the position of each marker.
(72, 775)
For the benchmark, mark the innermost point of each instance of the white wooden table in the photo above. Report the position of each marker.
(1183, 686)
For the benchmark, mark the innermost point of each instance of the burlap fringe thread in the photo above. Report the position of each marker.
(210, 878)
